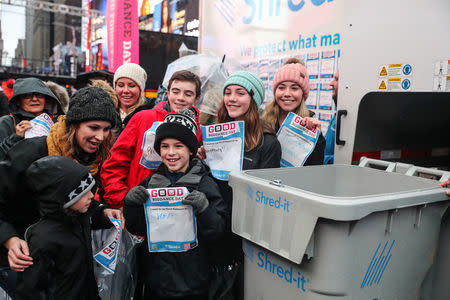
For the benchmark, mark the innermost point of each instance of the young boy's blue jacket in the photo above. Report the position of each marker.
(60, 242)
(178, 274)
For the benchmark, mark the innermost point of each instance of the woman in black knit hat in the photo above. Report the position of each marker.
(83, 135)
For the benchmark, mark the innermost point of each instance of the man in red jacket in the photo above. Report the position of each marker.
(132, 156)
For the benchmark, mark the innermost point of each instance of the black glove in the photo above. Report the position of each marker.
(197, 200)
(136, 196)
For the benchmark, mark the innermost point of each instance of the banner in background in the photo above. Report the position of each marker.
(261, 35)
(123, 32)
(169, 16)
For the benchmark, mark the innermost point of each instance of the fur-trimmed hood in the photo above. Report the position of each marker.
(60, 93)
(29, 85)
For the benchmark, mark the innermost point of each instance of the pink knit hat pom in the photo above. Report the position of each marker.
(295, 73)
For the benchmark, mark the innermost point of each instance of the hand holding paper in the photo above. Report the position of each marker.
(197, 200)
(114, 214)
(137, 196)
(39, 126)
(171, 225)
(22, 127)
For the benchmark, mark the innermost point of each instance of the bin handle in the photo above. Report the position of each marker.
(276, 182)
(414, 171)
(370, 163)
(340, 113)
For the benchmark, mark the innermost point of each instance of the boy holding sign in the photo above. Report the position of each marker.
(132, 157)
(177, 273)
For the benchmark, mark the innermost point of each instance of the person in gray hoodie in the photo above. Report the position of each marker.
(31, 97)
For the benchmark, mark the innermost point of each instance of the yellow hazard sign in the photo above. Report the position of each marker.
(383, 72)
(382, 85)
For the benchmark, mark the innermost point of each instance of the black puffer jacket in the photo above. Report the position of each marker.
(267, 154)
(8, 136)
(18, 208)
(60, 242)
(4, 109)
(180, 274)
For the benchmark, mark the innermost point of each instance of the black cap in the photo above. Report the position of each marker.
(91, 103)
(180, 126)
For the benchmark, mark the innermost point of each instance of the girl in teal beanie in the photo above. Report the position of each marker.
(243, 95)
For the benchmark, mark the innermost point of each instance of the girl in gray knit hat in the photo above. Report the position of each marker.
(83, 135)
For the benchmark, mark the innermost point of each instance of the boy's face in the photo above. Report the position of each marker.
(83, 204)
(182, 95)
(175, 155)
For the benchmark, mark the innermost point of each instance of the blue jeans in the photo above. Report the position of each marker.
(8, 279)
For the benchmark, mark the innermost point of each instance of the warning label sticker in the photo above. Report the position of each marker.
(395, 77)
(442, 67)
(441, 80)
(392, 70)
(441, 84)
(397, 84)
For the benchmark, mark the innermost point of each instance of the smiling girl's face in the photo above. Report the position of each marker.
(237, 101)
(288, 96)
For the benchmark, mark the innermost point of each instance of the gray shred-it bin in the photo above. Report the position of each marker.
(336, 232)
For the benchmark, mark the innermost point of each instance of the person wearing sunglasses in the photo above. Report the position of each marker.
(31, 97)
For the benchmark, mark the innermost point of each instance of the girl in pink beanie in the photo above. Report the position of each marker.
(290, 87)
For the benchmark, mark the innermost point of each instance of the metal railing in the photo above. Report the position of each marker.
(70, 66)
(55, 7)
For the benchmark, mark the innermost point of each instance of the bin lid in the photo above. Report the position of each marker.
(344, 181)
(346, 192)
(297, 197)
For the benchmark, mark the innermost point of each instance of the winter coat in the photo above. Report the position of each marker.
(8, 136)
(18, 209)
(149, 103)
(4, 109)
(122, 170)
(60, 242)
(178, 274)
(266, 155)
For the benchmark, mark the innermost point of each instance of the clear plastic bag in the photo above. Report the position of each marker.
(121, 284)
(213, 72)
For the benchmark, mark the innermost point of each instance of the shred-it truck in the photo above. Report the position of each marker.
(393, 58)
(393, 106)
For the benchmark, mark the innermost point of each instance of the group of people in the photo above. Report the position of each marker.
(95, 151)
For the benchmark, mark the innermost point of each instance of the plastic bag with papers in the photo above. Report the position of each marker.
(116, 280)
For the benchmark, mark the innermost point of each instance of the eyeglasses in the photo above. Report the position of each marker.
(31, 95)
